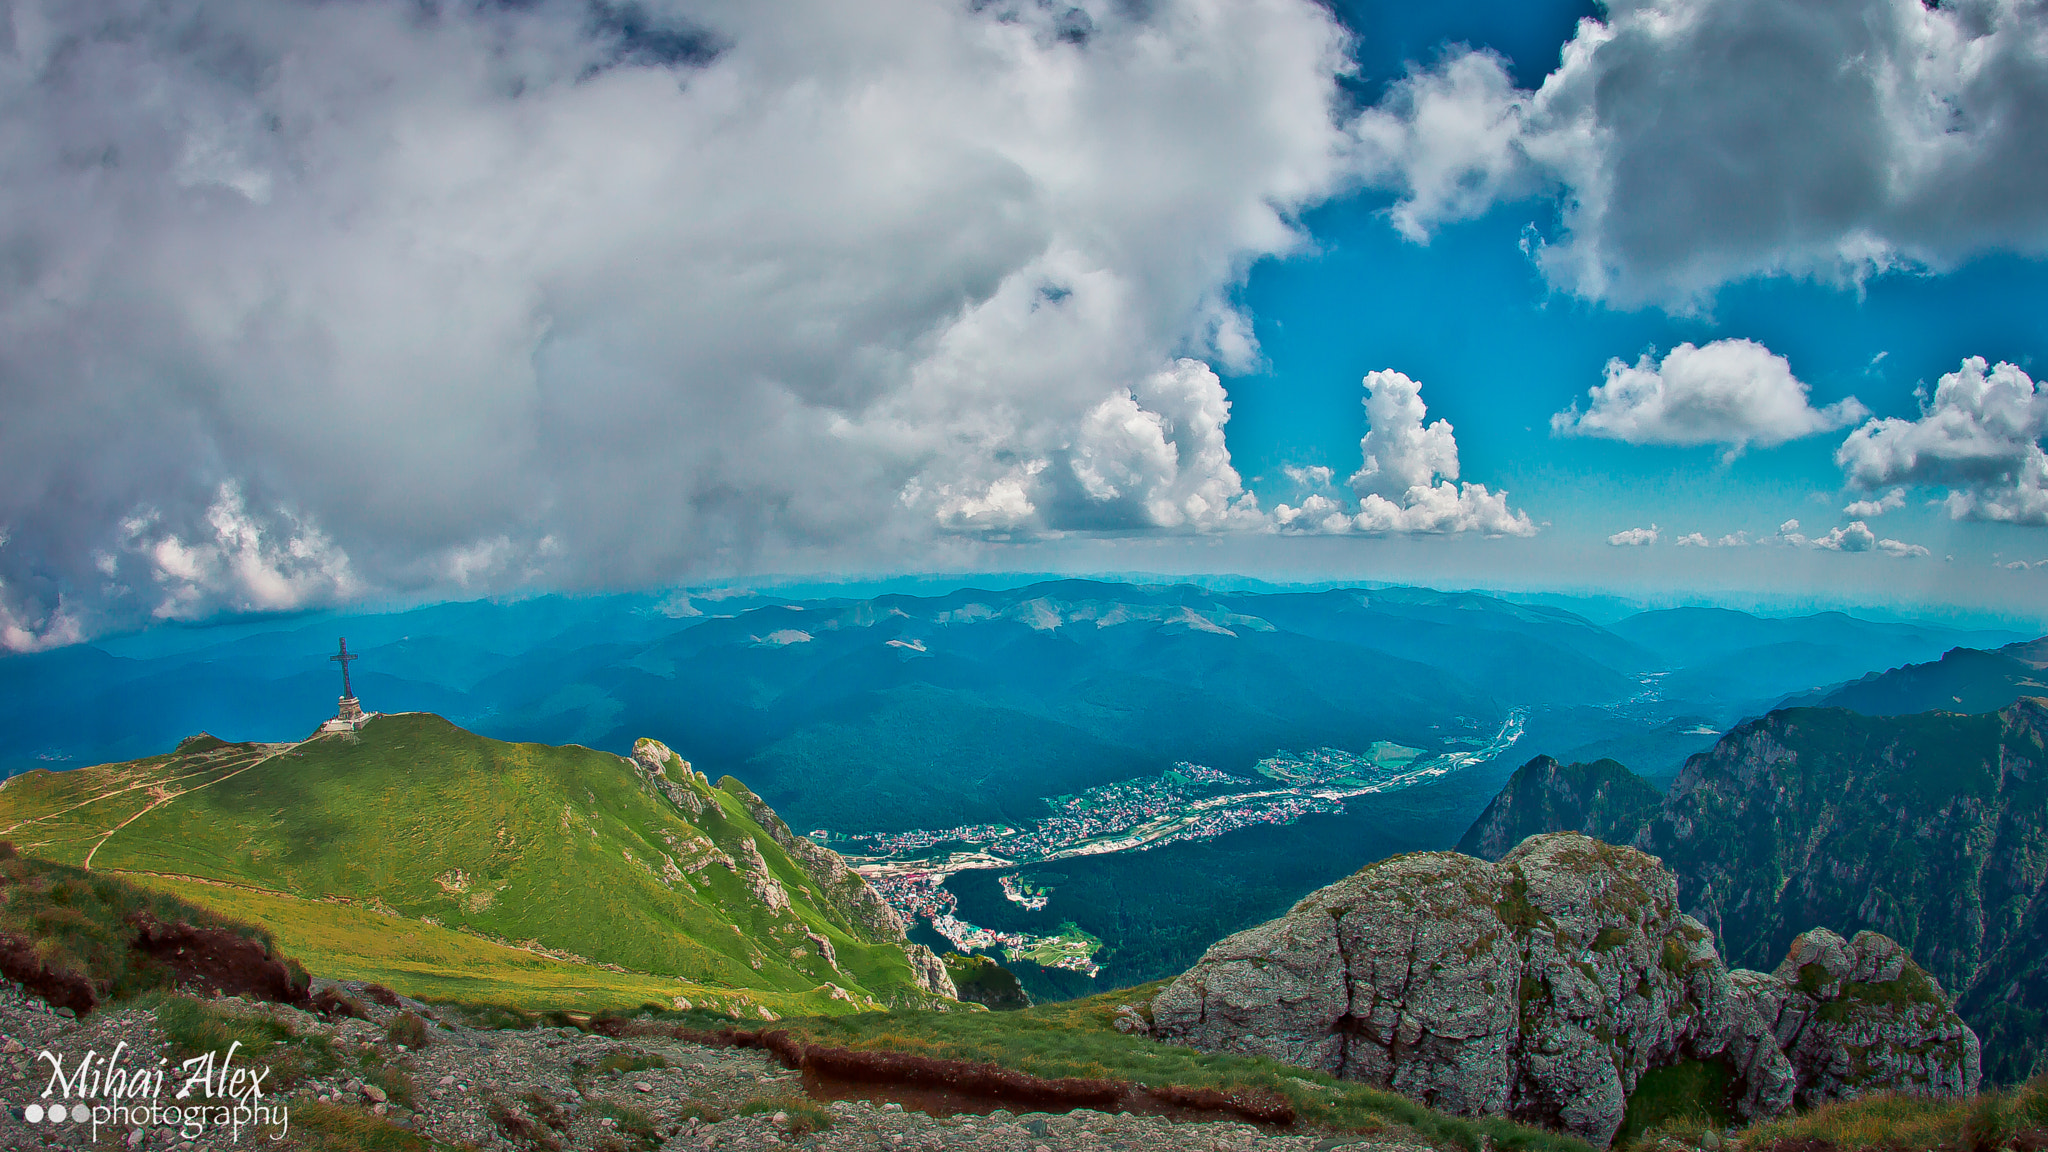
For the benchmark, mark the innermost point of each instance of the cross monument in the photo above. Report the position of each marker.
(351, 715)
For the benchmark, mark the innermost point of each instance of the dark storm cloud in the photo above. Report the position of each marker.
(1696, 142)
(299, 300)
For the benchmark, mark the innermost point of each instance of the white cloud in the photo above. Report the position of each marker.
(1408, 482)
(1639, 537)
(1737, 539)
(247, 564)
(1980, 435)
(1730, 392)
(1693, 143)
(1408, 479)
(1452, 136)
(859, 275)
(1316, 513)
(1870, 509)
(1855, 536)
(1311, 476)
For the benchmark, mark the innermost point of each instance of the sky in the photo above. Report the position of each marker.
(308, 304)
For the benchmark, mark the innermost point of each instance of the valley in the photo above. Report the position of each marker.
(1188, 802)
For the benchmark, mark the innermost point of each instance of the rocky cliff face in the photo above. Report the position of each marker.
(1599, 799)
(841, 893)
(1930, 829)
(1542, 987)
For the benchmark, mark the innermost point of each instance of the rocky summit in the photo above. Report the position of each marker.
(1546, 985)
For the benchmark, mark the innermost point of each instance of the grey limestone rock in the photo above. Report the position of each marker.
(1545, 986)
(930, 971)
(846, 891)
(1859, 1016)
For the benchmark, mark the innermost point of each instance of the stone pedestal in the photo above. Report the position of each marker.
(349, 717)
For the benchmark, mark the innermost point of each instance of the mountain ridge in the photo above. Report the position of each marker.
(1929, 828)
(628, 865)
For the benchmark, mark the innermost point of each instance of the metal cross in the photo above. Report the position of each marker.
(344, 657)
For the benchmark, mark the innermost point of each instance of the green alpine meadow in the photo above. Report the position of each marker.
(442, 863)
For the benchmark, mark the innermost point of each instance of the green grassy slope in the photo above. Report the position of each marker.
(567, 852)
(1079, 1038)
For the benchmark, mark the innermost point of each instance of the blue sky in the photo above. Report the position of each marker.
(326, 305)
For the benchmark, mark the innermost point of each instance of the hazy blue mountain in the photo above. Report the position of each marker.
(1963, 680)
(1734, 665)
(894, 712)
(1602, 799)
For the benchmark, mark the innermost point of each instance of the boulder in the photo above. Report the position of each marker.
(1543, 987)
(1859, 1016)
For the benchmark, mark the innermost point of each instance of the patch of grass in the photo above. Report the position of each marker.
(408, 1029)
(1682, 1099)
(81, 923)
(514, 841)
(434, 848)
(396, 1083)
(1884, 1121)
(801, 1114)
(1985, 1123)
(520, 1126)
(1079, 1038)
(333, 1128)
(196, 1028)
(443, 966)
(635, 1126)
(630, 1060)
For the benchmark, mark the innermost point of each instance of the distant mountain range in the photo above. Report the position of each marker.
(1928, 828)
(1963, 680)
(912, 714)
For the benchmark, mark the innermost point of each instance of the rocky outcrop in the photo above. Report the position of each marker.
(1927, 828)
(845, 890)
(752, 869)
(1857, 1017)
(1603, 799)
(930, 971)
(1542, 987)
(653, 759)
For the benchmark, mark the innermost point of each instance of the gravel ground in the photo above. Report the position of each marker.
(518, 1091)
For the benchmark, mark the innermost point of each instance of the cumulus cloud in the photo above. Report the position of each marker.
(1691, 143)
(499, 293)
(1639, 537)
(1730, 392)
(1855, 536)
(1892, 501)
(1408, 479)
(241, 562)
(1980, 435)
